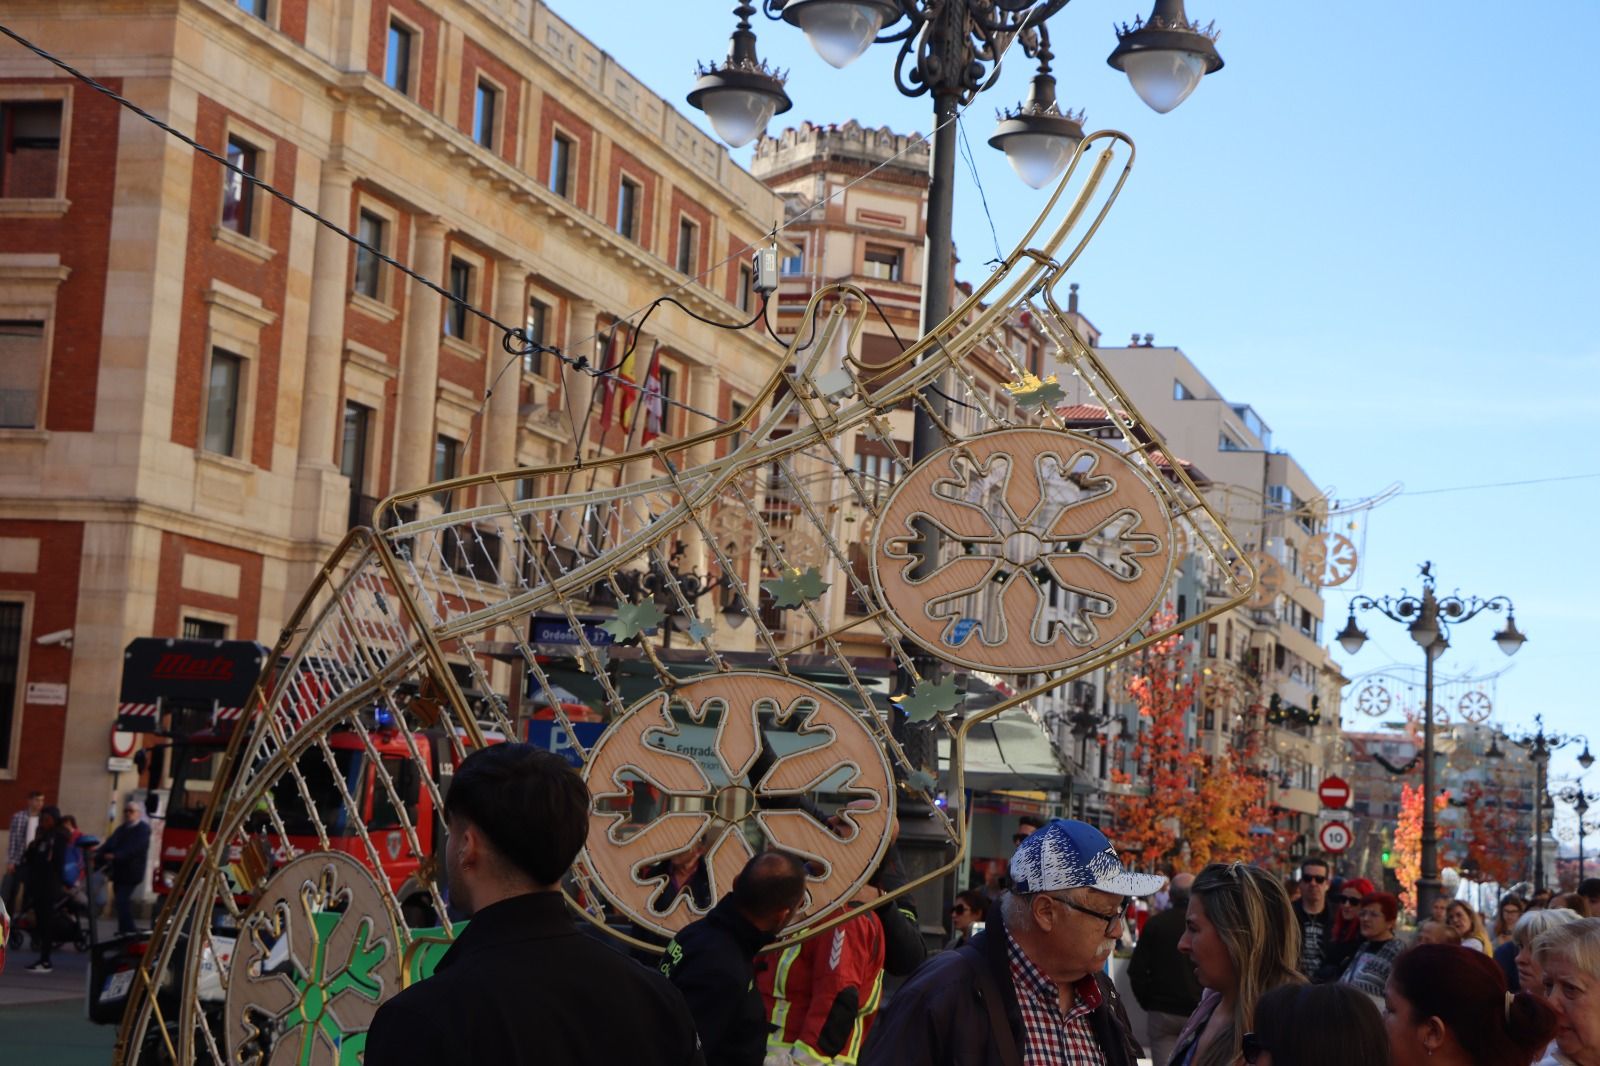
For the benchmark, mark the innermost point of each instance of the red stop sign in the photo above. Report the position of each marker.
(1334, 792)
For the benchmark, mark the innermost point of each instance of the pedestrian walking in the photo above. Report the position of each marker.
(1162, 977)
(713, 961)
(1430, 931)
(1317, 1025)
(1468, 925)
(1568, 956)
(24, 824)
(1031, 988)
(43, 871)
(1541, 899)
(521, 984)
(1368, 969)
(1573, 902)
(1448, 1006)
(1529, 928)
(969, 910)
(124, 856)
(1345, 935)
(1311, 912)
(1589, 889)
(822, 993)
(1505, 919)
(1242, 938)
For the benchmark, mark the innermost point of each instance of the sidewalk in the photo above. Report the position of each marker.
(69, 979)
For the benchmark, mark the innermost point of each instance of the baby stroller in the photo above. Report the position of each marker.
(68, 922)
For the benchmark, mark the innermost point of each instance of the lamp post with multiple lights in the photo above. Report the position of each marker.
(1428, 618)
(1579, 800)
(1540, 745)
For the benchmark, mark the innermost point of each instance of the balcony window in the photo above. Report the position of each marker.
(792, 265)
(397, 61)
(455, 312)
(372, 230)
(238, 193)
(204, 629)
(1180, 391)
(688, 238)
(628, 208)
(21, 371)
(483, 114)
(258, 8)
(561, 165)
(882, 263)
(30, 149)
(353, 461)
(222, 402)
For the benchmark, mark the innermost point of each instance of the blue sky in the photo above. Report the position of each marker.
(1376, 224)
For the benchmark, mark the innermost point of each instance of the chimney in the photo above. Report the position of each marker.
(1072, 298)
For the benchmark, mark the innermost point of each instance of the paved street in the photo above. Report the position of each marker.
(42, 1019)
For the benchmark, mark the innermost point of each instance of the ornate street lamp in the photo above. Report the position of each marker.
(1579, 800)
(1428, 619)
(1539, 745)
(1166, 55)
(1037, 136)
(741, 94)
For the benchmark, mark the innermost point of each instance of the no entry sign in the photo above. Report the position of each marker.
(1334, 792)
(1334, 837)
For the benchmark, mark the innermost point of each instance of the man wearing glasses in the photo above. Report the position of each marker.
(1031, 989)
(125, 852)
(1312, 912)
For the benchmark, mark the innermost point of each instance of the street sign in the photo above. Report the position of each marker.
(1334, 837)
(1334, 792)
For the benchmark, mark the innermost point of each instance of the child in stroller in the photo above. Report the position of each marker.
(69, 922)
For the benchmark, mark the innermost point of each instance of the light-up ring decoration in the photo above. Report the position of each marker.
(1475, 706)
(1030, 509)
(725, 766)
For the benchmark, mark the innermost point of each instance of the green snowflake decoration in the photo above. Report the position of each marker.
(633, 619)
(796, 587)
(931, 699)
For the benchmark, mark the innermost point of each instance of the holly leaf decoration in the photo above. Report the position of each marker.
(633, 619)
(931, 699)
(1031, 391)
(796, 586)
(920, 781)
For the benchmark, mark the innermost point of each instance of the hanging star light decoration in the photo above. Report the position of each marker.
(930, 699)
(796, 587)
(633, 619)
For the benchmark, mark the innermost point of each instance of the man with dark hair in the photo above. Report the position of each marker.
(713, 961)
(1162, 977)
(519, 985)
(1589, 889)
(1311, 910)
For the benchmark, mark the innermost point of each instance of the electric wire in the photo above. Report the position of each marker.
(983, 197)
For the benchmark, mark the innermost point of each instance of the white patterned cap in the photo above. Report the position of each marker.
(1071, 854)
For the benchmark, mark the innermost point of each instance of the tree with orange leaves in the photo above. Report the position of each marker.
(1408, 841)
(1495, 848)
(1177, 792)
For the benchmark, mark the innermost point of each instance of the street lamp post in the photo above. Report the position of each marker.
(1428, 619)
(1579, 801)
(1539, 745)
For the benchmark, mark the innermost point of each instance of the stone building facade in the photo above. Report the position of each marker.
(204, 389)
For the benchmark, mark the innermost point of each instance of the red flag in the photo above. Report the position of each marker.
(653, 401)
(617, 391)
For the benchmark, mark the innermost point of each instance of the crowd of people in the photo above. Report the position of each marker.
(54, 871)
(1229, 968)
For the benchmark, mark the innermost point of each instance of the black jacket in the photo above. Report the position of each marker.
(939, 1018)
(125, 851)
(1163, 979)
(713, 963)
(44, 863)
(520, 985)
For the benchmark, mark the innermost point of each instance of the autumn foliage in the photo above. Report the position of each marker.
(1408, 841)
(1179, 793)
(1495, 848)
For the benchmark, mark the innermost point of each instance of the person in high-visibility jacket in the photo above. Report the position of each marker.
(822, 994)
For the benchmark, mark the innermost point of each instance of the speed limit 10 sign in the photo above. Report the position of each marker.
(1334, 837)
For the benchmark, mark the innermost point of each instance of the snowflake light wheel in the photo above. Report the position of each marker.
(1331, 560)
(729, 758)
(1031, 508)
(1475, 706)
(1373, 701)
(317, 953)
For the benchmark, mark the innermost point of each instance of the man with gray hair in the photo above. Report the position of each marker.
(1163, 979)
(126, 851)
(1031, 988)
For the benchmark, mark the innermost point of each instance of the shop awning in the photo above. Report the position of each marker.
(1010, 751)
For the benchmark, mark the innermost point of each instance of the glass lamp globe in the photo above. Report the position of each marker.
(739, 115)
(1038, 157)
(839, 30)
(1164, 79)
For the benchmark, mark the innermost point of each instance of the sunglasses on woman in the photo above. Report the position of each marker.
(1350, 901)
(1252, 1047)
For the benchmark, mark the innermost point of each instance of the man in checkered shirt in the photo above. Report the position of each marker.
(1031, 989)
(23, 825)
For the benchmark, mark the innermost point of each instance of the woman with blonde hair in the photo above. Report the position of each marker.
(1242, 937)
(1469, 924)
(1568, 957)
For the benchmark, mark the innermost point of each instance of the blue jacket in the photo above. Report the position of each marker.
(126, 851)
